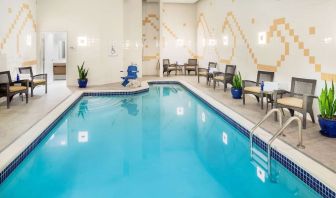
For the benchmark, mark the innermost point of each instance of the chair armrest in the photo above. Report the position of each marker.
(310, 96)
(250, 81)
(307, 98)
(22, 82)
(38, 75)
(245, 82)
(218, 73)
(280, 93)
(203, 69)
(228, 76)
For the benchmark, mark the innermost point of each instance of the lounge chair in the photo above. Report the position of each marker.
(205, 72)
(8, 89)
(191, 66)
(299, 99)
(226, 77)
(167, 67)
(35, 80)
(252, 87)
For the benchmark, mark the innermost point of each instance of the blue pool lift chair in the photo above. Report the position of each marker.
(132, 71)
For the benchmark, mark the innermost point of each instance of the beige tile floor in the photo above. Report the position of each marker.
(20, 117)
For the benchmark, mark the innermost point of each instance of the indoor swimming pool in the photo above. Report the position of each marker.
(162, 143)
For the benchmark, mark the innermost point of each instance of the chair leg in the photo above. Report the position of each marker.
(257, 97)
(243, 98)
(31, 90)
(214, 86)
(304, 121)
(26, 97)
(198, 79)
(225, 86)
(8, 101)
(46, 88)
(311, 113)
(266, 106)
(291, 111)
(275, 117)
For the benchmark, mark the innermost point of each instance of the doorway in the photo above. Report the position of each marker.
(54, 55)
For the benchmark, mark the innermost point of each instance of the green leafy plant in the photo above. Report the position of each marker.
(237, 81)
(82, 72)
(327, 102)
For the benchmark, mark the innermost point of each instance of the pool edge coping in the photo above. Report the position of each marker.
(308, 164)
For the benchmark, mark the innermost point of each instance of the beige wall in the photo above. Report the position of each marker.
(151, 37)
(133, 33)
(100, 22)
(179, 32)
(17, 34)
(300, 37)
(299, 40)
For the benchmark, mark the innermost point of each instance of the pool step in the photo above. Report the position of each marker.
(259, 158)
(259, 154)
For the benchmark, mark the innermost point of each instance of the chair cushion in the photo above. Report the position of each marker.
(190, 67)
(221, 78)
(291, 101)
(39, 81)
(17, 88)
(254, 89)
(203, 73)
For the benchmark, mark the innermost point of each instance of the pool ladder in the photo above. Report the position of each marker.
(267, 159)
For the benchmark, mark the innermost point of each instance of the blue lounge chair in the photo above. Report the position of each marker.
(132, 71)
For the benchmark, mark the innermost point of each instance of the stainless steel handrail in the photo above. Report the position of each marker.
(269, 144)
(259, 123)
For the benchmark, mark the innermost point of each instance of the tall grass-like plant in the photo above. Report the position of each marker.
(237, 82)
(82, 72)
(327, 102)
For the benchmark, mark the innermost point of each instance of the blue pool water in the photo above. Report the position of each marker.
(163, 143)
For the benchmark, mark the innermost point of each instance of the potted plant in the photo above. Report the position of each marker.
(327, 105)
(82, 73)
(237, 85)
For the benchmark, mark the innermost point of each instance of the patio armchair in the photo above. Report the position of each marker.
(226, 77)
(35, 80)
(299, 99)
(191, 66)
(253, 87)
(9, 89)
(205, 72)
(167, 67)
